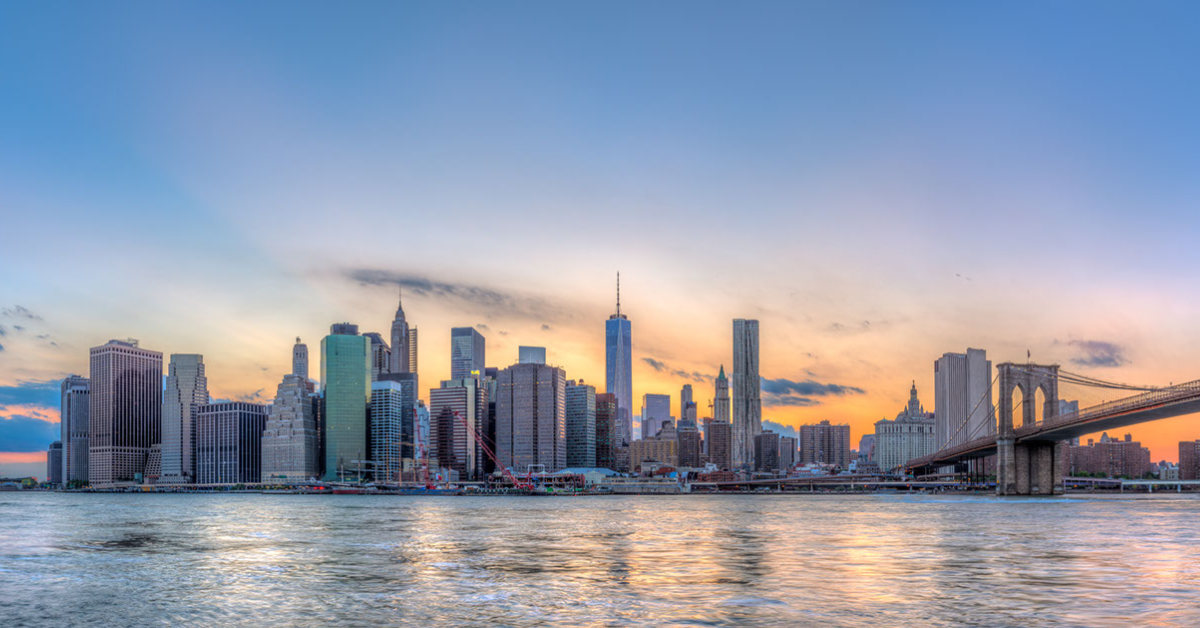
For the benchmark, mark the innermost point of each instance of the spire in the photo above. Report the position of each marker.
(618, 293)
(722, 374)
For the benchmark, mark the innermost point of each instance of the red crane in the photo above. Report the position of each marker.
(490, 454)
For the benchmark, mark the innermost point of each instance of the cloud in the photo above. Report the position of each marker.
(43, 336)
(37, 393)
(18, 328)
(807, 388)
(483, 326)
(486, 299)
(254, 397)
(1098, 353)
(780, 428)
(1, 347)
(546, 327)
(3, 331)
(775, 401)
(18, 311)
(850, 328)
(25, 434)
(663, 367)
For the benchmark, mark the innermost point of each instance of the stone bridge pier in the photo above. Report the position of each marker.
(1028, 467)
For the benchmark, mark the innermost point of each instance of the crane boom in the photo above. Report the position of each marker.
(490, 454)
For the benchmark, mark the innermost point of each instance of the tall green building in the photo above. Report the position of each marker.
(346, 387)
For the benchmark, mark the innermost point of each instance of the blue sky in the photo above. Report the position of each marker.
(877, 182)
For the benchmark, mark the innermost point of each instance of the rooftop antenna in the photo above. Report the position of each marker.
(618, 293)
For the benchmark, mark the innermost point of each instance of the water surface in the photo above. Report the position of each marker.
(875, 560)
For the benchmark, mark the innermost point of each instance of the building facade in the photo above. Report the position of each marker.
(824, 443)
(381, 355)
(720, 446)
(747, 399)
(186, 389)
(124, 411)
(662, 449)
(606, 431)
(1189, 460)
(766, 451)
(73, 413)
(789, 451)
(656, 409)
(393, 410)
(345, 392)
(229, 442)
(54, 463)
(300, 359)
(962, 406)
(457, 411)
(467, 353)
(618, 367)
(531, 355)
(289, 439)
(531, 417)
(912, 434)
(581, 424)
(690, 450)
(1110, 458)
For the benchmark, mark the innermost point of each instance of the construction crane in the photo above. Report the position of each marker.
(490, 454)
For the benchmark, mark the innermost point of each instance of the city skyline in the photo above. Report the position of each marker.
(872, 217)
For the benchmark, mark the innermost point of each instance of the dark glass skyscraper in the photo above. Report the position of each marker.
(467, 347)
(618, 368)
(346, 390)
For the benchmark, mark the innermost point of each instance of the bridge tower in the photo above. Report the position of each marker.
(1028, 467)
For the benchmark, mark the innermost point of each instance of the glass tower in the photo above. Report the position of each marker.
(346, 387)
(618, 368)
(466, 352)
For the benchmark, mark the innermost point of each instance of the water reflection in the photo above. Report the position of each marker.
(688, 560)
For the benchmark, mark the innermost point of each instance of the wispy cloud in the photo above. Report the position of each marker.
(780, 428)
(484, 299)
(1098, 353)
(775, 401)
(785, 392)
(19, 311)
(663, 367)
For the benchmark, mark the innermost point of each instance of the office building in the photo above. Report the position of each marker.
(124, 411)
(381, 355)
(720, 446)
(789, 451)
(823, 443)
(689, 450)
(73, 413)
(618, 367)
(912, 434)
(345, 392)
(457, 412)
(660, 450)
(766, 451)
(467, 348)
(229, 442)
(531, 355)
(721, 403)
(289, 439)
(186, 388)
(747, 400)
(963, 408)
(866, 448)
(655, 410)
(581, 424)
(531, 417)
(1110, 458)
(393, 404)
(1189, 460)
(403, 354)
(300, 359)
(54, 464)
(606, 431)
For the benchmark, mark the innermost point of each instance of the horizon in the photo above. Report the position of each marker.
(876, 189)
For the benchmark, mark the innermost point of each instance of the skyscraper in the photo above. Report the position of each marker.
(581, 424)
(289, 438)
(393, 403)
(747, 402)
(690, 451)
(720, 447)
(655, 410)
(54, 464)
(531, 422)
(381, 355)
(962, 405)
(229, 442)
(618, 367)
(825, 443)
(403, 353)
(685, 397)
(300, 359)
(467, 348)
(766, 451)
(73, 412)
(721, 399)
(452, 440)
(531, 355)
(186, 388)
(346, 388)
(606, 431)
(124, 411)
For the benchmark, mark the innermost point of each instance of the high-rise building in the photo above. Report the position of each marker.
(531, 417)
(720, 445)
(457, 411)
(747, 401)
(229, 442)
(689, 450)
(381, 355)
(1189, 460)
(789, 451)
(73, 413)
(467, 349)
(685, 397)
(721, 407)
(766, 451)
(289, 438)
(581, 424)
(823, 443)
(531, 355)
(962, 406)
(866, 448)
(910, 435)
(606, 431)
(403, 357)
(1111, 458)
(655, 410)
(618, 367)
(393, 402)
(124, 411)
(300, 359)
(345, 391)
(54, 463)
(186, 389)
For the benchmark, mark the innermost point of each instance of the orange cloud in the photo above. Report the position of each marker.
(10, 457)
(33, 411)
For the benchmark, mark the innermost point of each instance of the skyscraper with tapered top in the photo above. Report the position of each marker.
(618, 371)
(403, 352)
(747, 401)
(186, 389)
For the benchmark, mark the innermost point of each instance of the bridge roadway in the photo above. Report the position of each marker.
(1157, 404)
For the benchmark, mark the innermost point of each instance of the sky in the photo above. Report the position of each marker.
(877, 183)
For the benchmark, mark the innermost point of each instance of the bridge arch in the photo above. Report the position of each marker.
(1027, 468)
